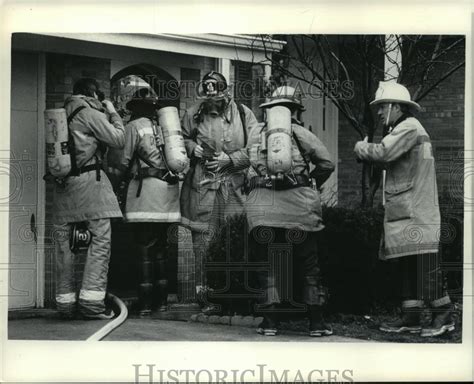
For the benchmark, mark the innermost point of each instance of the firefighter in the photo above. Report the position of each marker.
(86, 195)
(215, 132)
(284, 210)
(152, 198)
(412, 217)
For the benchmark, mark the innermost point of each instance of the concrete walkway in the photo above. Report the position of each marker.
(149, 330)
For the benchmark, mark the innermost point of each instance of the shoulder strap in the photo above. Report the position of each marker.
(71, 144)
(241, 110)
(300, 148)
(101, 146)
(101, 110)
(197, 118)
(74, 113)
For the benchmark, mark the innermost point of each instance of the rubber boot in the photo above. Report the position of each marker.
(442, 321)
(145, 287)
(269, 325)
(108, 314)
(409, 321)
(317, 325)
(161, 278)
(162, 293)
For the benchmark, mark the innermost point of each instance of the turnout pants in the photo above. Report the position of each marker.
(153, 248)
(292, 257)
(422, 281)
(94, 279)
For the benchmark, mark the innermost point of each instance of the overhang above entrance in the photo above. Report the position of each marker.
(242, 47)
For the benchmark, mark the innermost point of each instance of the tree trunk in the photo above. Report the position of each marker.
(365, 185)
(370, 175)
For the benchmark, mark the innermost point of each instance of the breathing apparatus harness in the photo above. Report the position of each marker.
(150, 171)
(289, 180)
(75, 170)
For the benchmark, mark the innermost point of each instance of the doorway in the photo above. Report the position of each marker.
(123, 270)
(25, 162)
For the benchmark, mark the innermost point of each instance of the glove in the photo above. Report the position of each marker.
(219, 161)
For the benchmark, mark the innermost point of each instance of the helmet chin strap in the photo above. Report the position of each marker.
(388, 114)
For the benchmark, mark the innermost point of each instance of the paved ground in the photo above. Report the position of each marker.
(51, 329)
(149, 330)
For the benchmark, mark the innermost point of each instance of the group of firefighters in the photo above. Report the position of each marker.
(273, 172)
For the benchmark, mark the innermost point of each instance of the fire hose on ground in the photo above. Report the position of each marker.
(113, 324)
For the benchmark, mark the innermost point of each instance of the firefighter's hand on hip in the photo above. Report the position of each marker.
(219, 161)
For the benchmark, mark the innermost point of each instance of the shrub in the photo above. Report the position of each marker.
(229, 288)
(349, 259)
(357, 280)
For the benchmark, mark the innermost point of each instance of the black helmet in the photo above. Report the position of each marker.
(144, 97)
(214, 85)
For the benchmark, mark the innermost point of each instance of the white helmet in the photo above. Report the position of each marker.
(285, 95)
(392, 92)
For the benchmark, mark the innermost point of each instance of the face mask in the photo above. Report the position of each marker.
(214, 108)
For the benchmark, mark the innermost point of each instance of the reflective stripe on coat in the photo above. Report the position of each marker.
(158, 200)
(412, 217)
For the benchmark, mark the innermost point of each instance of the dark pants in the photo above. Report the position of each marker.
(422, 281)
(292, 257)
(153, 249)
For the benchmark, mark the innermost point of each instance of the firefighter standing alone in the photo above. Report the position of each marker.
(412, 217)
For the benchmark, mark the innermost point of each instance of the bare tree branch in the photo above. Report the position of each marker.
(428, 67)
(439, 81)
(313, 59)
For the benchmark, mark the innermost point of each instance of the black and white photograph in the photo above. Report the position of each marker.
(266, 191)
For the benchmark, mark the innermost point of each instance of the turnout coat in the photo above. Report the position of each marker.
(158, 201)
(412, 218)
(206, 202)
(290, 208)
(82, 197)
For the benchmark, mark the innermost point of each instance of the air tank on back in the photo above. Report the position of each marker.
(175, 151)
(57, 145)
(279, 146)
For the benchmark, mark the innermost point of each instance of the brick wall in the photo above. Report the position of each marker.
(248, 85)
(349, 172)
(190, 78)
(209, 64)
(62, 71)
(443, 118)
